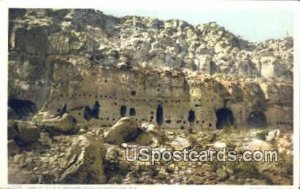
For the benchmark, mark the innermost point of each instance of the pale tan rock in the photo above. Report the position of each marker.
(126, 129)
(85, 161)
(64, 124)
(259, 145)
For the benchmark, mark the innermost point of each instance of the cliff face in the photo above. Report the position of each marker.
(168, 72)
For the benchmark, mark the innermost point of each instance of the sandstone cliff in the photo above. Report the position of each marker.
(91, 85)
(134, 64)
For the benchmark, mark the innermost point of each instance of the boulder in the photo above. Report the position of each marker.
(13, 148)
(273, 135)
(27, 132)
(258, 145)
(219, 145)
(85, 161)
(180, 143)
(149, 127)
(65, 124)
(12, 132)
(125, 130)
(40, 116)
(150, 134)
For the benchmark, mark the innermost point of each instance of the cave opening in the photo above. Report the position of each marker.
(90, 113)
(132, 112)
(224, 118)
(123, 111)
(133, 93)
(192, 116)
(159, 115)
(257, 119)
(21, 109)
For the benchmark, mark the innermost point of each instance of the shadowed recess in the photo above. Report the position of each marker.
(192, 116)
(257, 119)
(224, 118)
(90, 113)
(123, 111)
(132, 112)
(159, 115)
(20, 109)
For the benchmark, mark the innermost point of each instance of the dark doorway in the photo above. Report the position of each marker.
(224, 118)
(123, 111)
(90, 113)
(132, 112)
(21, 109)
(159, 115)
(133, 93)
(191, 117)
(257, 119)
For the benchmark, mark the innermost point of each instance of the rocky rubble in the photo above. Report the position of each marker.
(87, 158)
(85, 161)
(141, 82)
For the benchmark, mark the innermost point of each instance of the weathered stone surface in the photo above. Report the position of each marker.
(194, 67)
(150, 134)
(273, 135)
(259, 145)
(85, 161)
(13, 148)
(64, 124)
(126, 129)
(219, 145)
(27, 132)
(175, 76)
(12, 132)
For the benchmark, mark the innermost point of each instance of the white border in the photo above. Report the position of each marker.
(296, 98)
(143, 4)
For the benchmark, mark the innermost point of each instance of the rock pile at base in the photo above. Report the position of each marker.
(85, 161)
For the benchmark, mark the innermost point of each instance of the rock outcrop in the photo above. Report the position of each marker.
(23, 132)
(67, 57)
(81, 82)
(85, 161)
(150, 135)
(125, 130)
(65, 124)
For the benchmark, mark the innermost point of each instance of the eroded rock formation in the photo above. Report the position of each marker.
(157, 71)
(84, 85)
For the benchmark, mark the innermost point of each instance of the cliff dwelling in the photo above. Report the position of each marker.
(257, 119)
(84, 86)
